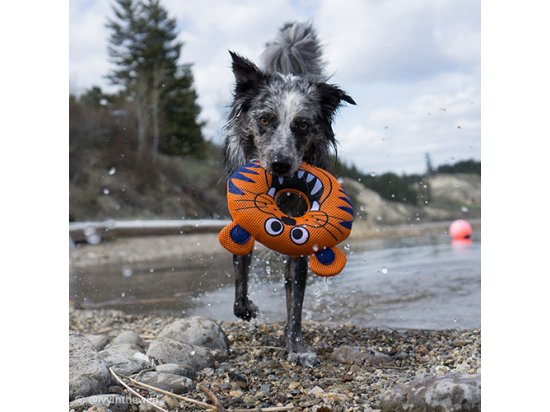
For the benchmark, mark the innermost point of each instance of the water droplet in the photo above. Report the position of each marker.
(315, 248)
(384, 270)
(347, 247)
(127, 271)
(373, 174)
(151, 270)
(112, 171)
(106, 191)
(464, 209)
(123, 294)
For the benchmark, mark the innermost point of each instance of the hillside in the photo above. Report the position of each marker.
(450, 195)
(191, 188)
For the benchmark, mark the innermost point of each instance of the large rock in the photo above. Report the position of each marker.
(88, 373)
(167, 350)
(454, 392)
(112, 402)
(197, 330)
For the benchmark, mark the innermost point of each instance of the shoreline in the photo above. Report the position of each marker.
(257, 374)
(152, 248)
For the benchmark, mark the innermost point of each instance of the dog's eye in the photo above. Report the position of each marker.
(264, 121)
(274, 226)
(303, 126)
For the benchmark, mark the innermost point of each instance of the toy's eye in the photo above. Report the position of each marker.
(274, 226)
(299, 235)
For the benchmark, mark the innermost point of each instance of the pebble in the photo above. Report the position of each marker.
(268, 375)
(167, 381)
(175, 369)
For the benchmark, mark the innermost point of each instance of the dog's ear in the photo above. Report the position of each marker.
(247, 74)
(331, 98)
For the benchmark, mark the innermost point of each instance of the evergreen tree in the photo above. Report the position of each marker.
(145, 53)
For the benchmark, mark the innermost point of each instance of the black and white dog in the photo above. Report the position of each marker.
(282, 115)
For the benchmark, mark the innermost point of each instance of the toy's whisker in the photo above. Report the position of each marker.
(246, 208)
(335, 227)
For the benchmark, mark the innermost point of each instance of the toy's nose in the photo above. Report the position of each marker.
(280, 165)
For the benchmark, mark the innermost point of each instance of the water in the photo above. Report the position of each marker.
(396, 283)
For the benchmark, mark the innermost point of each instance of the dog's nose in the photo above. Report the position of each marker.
(280, 165)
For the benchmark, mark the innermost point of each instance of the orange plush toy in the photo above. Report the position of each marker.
(251, 197)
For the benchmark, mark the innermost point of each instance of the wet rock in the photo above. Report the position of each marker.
(359, 356)
(88, 373)
(167, 350)
(198, 331)
(128, 337)
(99, 341)
(111, 402)
(174, 368)
(125, 359)
(455, 392)
(168, 381)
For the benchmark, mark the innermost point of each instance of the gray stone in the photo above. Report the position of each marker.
(197, 330)
(147, 407)
(88, 373)
(167, 350)
(174, 368)
(454, 392)
(168, 381)
(361, 356)
(111, 401)
(128, 349)
(129, 337)
(125, 358)
(99, 341)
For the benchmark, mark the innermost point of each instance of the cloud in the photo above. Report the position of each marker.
(399, 59)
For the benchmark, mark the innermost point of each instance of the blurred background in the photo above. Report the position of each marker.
(150, 86)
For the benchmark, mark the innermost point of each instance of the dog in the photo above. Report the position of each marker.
(282, 115)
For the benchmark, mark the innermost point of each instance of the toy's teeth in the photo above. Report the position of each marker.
(271, 192)
(318, 186)
(300, 174)
(315, 206)
(281, 179)
(309, 177)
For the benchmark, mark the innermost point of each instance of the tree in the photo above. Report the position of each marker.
(145, 52)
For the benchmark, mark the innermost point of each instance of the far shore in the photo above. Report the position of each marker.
(151, 248)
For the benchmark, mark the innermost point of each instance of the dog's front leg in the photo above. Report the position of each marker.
(243, 307)
(295, 287)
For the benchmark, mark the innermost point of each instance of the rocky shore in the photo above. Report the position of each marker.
(198, 364)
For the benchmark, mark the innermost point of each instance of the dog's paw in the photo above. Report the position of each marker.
(245, 309)
(306, 359)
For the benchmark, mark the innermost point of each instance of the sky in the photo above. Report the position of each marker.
(412, 66)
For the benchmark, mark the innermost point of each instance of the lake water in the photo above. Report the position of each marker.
(421, 282)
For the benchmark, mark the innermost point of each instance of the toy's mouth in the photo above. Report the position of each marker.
(301, 181)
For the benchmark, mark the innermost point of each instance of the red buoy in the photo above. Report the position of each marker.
(460, 229)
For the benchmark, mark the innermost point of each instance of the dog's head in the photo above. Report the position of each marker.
(279, 119)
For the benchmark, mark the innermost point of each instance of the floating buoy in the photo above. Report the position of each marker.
(460, 229)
